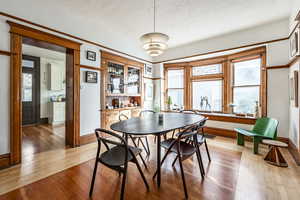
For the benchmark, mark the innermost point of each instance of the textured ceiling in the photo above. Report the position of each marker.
(119, 24)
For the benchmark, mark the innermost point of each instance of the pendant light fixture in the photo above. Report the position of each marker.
(154, 43)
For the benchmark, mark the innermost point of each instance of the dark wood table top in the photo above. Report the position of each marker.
(149, 123)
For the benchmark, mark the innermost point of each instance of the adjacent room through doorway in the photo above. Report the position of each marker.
(43, 97)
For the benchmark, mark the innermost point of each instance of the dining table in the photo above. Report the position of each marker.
(156, 124)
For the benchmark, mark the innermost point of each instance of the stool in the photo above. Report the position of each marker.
(274, 155)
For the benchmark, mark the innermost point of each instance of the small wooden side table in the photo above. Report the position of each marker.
(274, 155)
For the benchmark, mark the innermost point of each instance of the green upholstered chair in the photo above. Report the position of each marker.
(264, 128)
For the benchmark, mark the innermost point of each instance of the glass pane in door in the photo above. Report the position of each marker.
(26, 87)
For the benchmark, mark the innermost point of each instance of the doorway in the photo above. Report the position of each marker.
(30, 89)
(43, 97)
(18, 32)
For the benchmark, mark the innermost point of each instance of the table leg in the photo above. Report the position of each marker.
(158, 160)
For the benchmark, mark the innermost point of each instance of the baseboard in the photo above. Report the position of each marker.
(220, 132)
(43, 121)
(232, 134)
(4, 161)
(294, 151)
(86, 139)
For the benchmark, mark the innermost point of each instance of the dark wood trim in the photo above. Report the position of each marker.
(4, 161)
(222, 50)
(15, 99)
(91, 68)
(5, 53)
(294, 152)
(220, 132)
(44, 45)
(277, 67)
(86, 139)
(72, 36)
(73, 86)
(152, 78)
(122, 60)
(29, 32)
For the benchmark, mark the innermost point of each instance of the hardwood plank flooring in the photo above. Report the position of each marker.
(42, 138)
(234, 173)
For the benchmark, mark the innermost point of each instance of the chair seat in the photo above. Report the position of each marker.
(249, 133)
(115, 156)
(185, 148)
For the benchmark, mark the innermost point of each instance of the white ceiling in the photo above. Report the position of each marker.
(119, 24)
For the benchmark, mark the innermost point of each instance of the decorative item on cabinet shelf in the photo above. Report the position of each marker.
(91, 55)
(91, 77)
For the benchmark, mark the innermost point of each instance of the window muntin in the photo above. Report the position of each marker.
(207, 70)
(246, 85)
(207, 95)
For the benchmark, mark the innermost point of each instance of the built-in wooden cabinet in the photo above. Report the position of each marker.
(122, 88)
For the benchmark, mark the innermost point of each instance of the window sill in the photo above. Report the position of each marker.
(223, 117)
(229, 118)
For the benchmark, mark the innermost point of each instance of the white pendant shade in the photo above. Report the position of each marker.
(154, 43)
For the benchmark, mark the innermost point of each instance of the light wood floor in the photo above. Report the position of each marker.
(234, 173)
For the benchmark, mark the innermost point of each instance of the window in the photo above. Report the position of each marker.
(246, 85)
(232, 83)
(175, 87)
(207, 91)
(207, 95)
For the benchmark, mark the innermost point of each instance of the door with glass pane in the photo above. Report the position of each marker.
(30, 90)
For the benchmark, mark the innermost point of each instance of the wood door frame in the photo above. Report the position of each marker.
(37, 64)
(17, 31)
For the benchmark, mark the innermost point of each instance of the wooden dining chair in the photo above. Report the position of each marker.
(137, 138)
(133, 138)
(201, 139)
(116, 157)
(183, 151)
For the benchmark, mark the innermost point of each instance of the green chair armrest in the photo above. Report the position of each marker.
(246, 132)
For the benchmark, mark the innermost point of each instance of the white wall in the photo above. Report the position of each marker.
(90, 106)
(4, 88)
(271, 31)
(4, 104)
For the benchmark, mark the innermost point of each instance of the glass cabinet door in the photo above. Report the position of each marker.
(133, 81)
(115, 78)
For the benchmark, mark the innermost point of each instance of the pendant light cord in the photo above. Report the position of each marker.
(154, 11)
